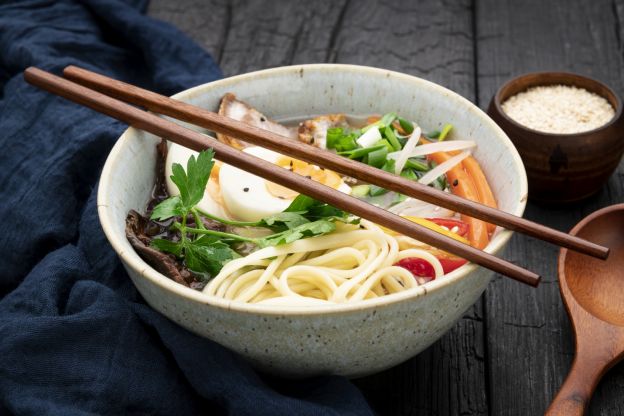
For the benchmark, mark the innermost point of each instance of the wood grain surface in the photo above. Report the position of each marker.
(512, 350)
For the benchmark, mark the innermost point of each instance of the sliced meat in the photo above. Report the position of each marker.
(162, 262)
(315, 131)
(241, 111)
(159, 193)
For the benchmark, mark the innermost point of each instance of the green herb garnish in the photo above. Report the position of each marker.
(206, 251)
(406, 125)
(339, 139)
(361, 151)
(392, 139)
(384, 121)
(445, 131)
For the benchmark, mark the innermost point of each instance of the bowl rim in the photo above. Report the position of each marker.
(499, 107)
(133, 261)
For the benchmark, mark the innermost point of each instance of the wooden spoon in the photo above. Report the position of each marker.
(593, 291)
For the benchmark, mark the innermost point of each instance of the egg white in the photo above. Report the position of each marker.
(246, 195)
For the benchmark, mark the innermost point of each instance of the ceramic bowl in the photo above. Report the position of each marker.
(563, 168)
(346, 339)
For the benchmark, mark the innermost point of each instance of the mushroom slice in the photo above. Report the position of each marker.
(239, 110)
(314, 131)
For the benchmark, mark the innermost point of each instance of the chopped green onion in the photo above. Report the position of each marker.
(433, 134)
(406, 125)
(392, 139)
(409, 174)
(384, 121)
(445, 131)
(369, 138)
(389, 165)
(378, 190)
(416, 164)
(387, 119)
(360, 152)
(360, 191)
(440, 183)
(346, 143)
(385, 143)
(377, 158)
(337, 139)
(333, 135)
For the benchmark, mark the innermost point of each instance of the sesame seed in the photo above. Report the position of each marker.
(559, 109)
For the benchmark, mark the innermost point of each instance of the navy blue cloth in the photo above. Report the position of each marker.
(75, 336)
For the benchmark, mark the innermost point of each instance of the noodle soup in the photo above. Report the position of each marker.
(349, 338)
(241, 238)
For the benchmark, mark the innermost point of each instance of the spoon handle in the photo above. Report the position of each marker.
(577, 389)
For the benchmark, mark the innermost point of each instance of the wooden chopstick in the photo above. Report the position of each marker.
(224, 125)
(194, 140)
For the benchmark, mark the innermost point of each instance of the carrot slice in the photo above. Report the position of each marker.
(473, 169)
(486, 197)
(461, 184)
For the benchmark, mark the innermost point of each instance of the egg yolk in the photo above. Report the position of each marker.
(320, 175)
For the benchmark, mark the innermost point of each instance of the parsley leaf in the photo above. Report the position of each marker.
(283, 221)
(301, 204)
(208, 258)
(313, 210)
(309, 229)
(192, 183)
(206, 254)
(168, 246)
(170, 207)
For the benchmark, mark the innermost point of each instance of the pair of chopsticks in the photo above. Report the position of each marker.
(103, 94)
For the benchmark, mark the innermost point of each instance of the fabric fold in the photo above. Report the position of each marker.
(75, 336)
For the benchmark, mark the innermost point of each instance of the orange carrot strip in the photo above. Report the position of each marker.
(461, 184)
(486, 197)
(472, 168)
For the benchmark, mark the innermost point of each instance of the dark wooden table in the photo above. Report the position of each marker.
(511, 351)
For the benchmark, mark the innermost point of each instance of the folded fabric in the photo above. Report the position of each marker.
(75, 336)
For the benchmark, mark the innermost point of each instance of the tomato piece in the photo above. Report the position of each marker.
(450, 264)
(462, 227)
(418, 267)
(423, 269)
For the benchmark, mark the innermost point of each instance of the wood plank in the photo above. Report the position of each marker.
(431, 39)
(530, 342)
(206, 22)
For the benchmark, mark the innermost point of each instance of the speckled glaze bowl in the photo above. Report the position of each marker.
(347, 339)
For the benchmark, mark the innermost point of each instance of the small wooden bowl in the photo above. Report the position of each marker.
(563, 168)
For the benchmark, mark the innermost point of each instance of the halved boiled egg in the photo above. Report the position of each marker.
(211, 202)
(236, 194)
